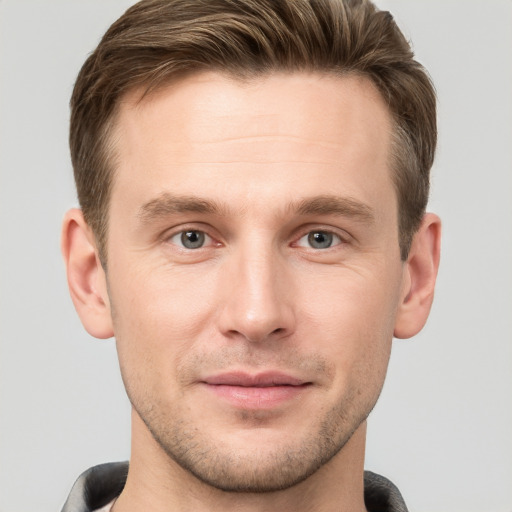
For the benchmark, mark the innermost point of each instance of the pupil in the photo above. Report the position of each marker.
(320, 240)
(192, 239)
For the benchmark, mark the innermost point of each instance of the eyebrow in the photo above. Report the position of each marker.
(335, 205)
(167, 204)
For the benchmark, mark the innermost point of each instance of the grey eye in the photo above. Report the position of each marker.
(190, 239)
(320, 239)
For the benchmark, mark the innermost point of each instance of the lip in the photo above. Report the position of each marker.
(256, 391)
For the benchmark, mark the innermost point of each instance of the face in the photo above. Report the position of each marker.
(254, 271)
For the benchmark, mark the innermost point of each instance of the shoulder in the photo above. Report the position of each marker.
(97, 487)
(381, 495)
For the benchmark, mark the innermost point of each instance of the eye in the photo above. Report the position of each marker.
(319, 240)
(191, 239)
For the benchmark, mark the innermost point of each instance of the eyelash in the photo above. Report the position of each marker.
(326, 236)
(180, 235)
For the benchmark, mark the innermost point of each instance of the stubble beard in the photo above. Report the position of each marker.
(263, 470)
(283, 463)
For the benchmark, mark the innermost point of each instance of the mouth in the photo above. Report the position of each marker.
(260, 391)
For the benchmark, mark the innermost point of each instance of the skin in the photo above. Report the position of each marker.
(259, 169)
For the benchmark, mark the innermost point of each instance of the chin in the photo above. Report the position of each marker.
(254, 459)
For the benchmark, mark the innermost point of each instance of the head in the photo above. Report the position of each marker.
(156, 42)
(253, 178)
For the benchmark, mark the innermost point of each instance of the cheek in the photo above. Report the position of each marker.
(352, 302)
(158, 315)
(351, 317)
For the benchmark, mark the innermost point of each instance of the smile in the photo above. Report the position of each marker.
(262, 391)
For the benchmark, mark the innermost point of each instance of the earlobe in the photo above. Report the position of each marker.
(420, 272)
(86, 277)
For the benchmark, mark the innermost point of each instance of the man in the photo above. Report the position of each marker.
(253, 178)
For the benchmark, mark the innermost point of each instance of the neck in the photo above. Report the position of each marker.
(155, 482)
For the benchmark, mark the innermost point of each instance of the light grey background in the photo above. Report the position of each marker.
(442, 430)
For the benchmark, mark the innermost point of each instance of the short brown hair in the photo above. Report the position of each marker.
(156, 41)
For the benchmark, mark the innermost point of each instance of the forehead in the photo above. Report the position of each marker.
(323, 104)
(304, 132)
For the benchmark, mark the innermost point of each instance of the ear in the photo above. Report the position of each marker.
(86, 277)
(420, 272)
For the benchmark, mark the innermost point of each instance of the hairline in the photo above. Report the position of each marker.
(398, 143)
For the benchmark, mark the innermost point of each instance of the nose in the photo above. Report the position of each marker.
(258, 296)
